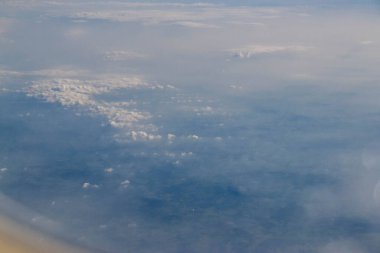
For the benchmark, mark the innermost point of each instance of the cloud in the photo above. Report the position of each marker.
(341, 246)
(81, 94)
(206, 110)
(125, 184)
(192, 24)
(256, 50)
(4, 73)
(71, 88)
(188, 15)
(88, 185)
(144, 136)
(358, 192)
(193, 137)
(171, 137)
(59, 72)
(145, 16)
(122, 55)
(108, 170)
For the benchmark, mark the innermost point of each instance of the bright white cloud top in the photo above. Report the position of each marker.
(82, 93)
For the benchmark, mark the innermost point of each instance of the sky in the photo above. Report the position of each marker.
(235, 126)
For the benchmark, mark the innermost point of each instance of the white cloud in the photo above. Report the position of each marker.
(125, 184)
(147, 16)
(4, 73)
(186, 154)
(122, 55)
(171, 137)
(88, 185)
(144, 136)
(193, 137)
(81, 94)
(206, 110)
(189, 15)
(61, 72)
(108, 170)
(255, 50)
(236, 86)
(192, 24)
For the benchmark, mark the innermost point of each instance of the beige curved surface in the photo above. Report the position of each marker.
(15, 238)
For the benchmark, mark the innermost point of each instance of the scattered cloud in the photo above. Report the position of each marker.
(256, 50)
(188, 15)
(193, 137)
(186, 154)
(61, 72)
(192, 24)
(81, 94)
(146, 16)
(144, 136)
(124, 184)
(4, 73)
(206, 110)
(171, 137)
(108, 170)
(122, 55)
(88, 185)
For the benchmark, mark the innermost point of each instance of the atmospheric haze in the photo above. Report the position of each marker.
(221, 126)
